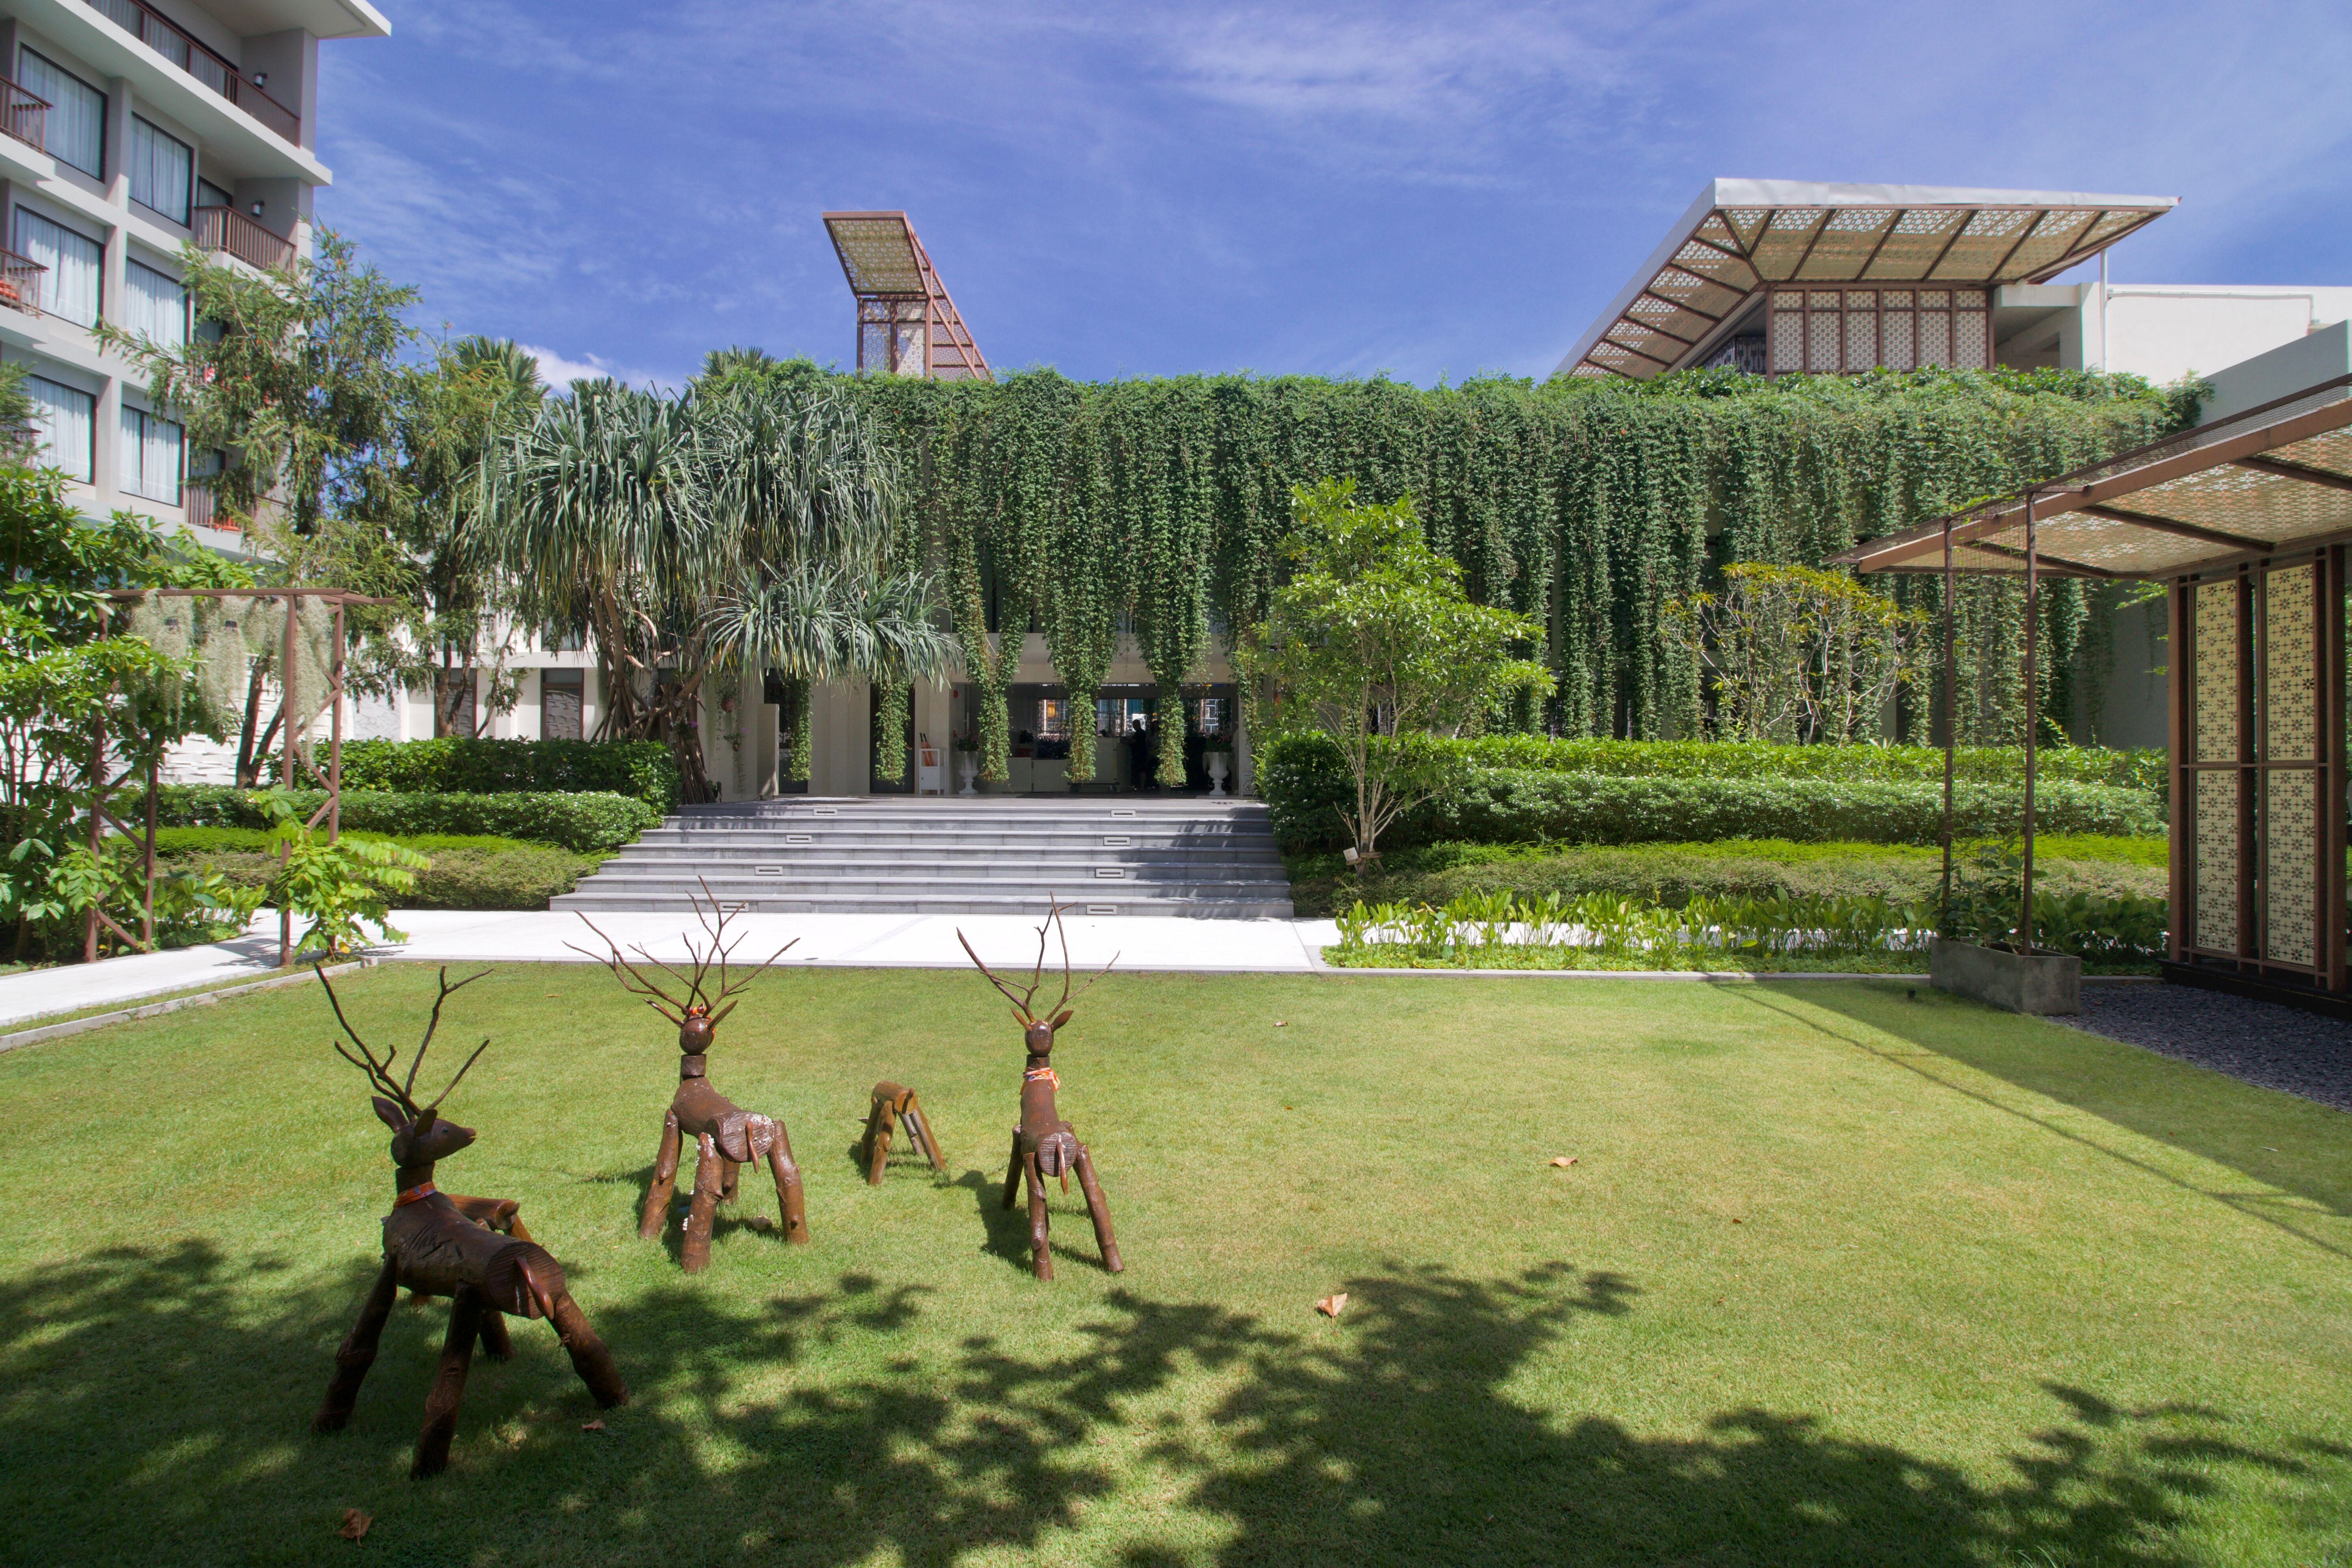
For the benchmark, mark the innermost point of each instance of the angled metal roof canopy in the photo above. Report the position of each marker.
(907, 324)
(1742, 238)
(2272, 479)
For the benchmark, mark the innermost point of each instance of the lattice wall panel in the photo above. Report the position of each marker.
(2291, 867)
(2217, 860)
(2290, 665)
(2218, 795)
(2216, 639)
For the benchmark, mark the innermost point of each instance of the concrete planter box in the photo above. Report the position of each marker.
(2043, 982)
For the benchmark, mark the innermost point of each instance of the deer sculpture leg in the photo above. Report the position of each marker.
(879, 1123)
(1099, 1210)
(696, 1254)
(496, 1343)
(919, 1134)
(665, 1185)
(448, 1385)
(1041, 1240)
(358, 1351)
(787, 1172)
(589, 1359)
(726, 1174)
(1013, 1171)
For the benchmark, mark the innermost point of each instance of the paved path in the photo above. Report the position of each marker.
(847, 941)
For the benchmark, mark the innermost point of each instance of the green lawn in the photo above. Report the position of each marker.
(1838, 1277)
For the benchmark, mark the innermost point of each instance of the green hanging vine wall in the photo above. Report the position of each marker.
(1074, 506)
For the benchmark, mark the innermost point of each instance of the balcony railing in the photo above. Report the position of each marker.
(167, 40)
(196, 501)
(23, 116)
(20, 282)
(230, 231)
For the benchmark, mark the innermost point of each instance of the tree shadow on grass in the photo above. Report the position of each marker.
(2293, 1145)
(156, 1403)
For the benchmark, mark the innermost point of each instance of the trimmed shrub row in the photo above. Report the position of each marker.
(523, 877)
(457, 765)
(1297, 763)
(584, 823)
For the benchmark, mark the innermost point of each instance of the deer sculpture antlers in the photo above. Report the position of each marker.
(726, 1136)
(1044, 1146)
(473, 1250)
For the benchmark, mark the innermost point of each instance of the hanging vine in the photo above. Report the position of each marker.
(1159, 506)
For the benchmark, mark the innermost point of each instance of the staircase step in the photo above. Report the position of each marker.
(1193, 857)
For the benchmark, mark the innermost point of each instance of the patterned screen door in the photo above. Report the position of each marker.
(2261, 773)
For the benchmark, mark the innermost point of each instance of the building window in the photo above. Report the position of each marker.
(75, 132)
(151, 456)
(1053, 718)
(66, 419)
(1210, 716)
(162, 169)
(559, 692)
(154, 305)
(69, 287)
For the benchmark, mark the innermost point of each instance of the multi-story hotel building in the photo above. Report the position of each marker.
(128, 129)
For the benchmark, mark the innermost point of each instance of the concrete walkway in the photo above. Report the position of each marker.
(838, 940)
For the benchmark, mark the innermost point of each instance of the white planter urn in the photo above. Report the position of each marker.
(967, 769)
(1219, 765)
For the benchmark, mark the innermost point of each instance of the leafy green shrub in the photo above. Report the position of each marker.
(584, 823)
(338, 887)
(462, 765)
(1503, 805)
(459, 875)
(1312, 760)
(189, 842)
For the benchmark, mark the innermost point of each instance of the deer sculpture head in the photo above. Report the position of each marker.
(420, 1135)
(696, 1002)
(1039, 1024)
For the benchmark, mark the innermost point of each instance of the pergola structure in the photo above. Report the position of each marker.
(2248, 519)
(103, 782)
(907, 324)
(1781, 275)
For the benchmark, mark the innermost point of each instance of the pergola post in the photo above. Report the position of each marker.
(1951, 725)
(2032, 721)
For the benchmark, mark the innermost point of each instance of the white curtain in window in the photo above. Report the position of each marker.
(162, 169)
(66, 419)
(76, 132)
(151, 456)
(154, 305)
(69, 287)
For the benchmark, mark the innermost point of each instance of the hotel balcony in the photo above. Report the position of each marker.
(151, 28)
(20, 282)
(230, 232)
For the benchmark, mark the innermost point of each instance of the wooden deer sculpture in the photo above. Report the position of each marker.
(725, 1137)
(473, 1250)
(894, 1104)
(1043, 1144)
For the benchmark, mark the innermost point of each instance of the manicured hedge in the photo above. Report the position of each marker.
(585, 823)
(645, 769)
(1304, 782)
(1319, 756)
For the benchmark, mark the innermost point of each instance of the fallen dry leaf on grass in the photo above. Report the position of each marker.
(1331, 1306)
(355, 1524)
(1564, 1161)
(592, 1426)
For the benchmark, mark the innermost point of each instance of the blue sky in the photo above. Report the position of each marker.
(1425, 190)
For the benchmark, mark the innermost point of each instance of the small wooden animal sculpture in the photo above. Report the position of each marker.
(892, 1105)
(1043, 1144)
(473, 1250)
(725, 1135)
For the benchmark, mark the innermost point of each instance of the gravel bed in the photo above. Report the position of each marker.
(2266, 1044)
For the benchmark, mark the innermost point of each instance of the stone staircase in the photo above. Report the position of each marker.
(1107, 856)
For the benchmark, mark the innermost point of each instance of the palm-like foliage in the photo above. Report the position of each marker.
(703, 534)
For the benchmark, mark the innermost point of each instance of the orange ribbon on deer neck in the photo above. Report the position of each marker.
(422, 1190)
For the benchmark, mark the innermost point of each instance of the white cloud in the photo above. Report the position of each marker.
(559, 370)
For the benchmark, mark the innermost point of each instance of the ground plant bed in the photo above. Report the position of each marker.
(1837, 1275)
(465, 872)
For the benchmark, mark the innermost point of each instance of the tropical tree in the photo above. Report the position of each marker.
(745, 526)
(1374, 641)
(1794, 653)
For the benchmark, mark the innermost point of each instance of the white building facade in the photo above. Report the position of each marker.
(129, 129)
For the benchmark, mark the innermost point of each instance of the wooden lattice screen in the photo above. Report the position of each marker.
(2259, 788)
